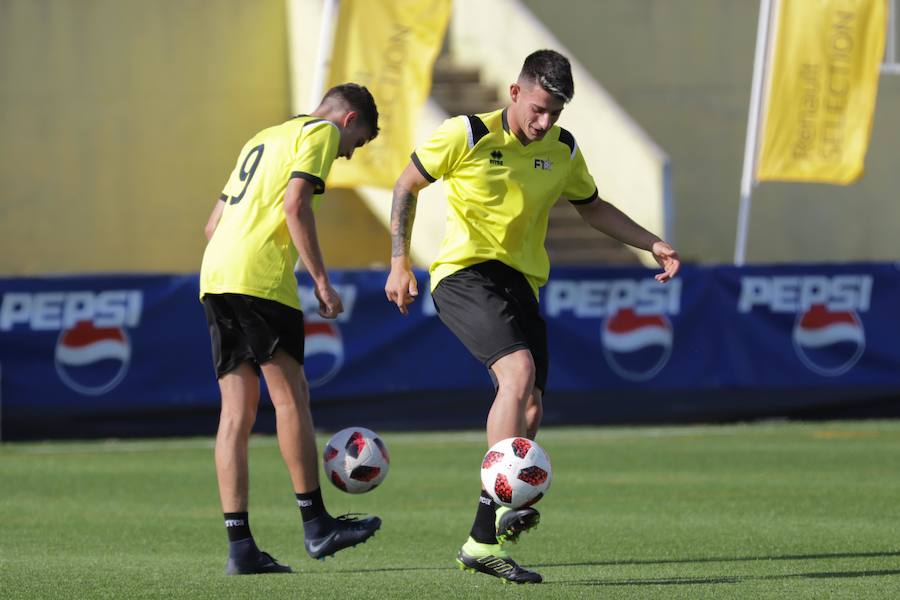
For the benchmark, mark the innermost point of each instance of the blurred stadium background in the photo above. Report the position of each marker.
(121, 121)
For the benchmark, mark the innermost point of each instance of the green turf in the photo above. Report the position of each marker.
(753, 511)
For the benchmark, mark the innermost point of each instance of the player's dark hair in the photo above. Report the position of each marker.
(360, 99)
(552, 70)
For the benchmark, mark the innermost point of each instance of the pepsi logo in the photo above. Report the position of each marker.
(92, 360)
(324, 353)
(637, 347)
(828, 342)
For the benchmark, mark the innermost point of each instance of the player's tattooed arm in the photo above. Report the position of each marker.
(401, 287)
(403, 209)
(403, 213)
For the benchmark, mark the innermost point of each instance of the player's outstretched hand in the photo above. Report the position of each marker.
(401, 287)
(330, 304)
(668, 259)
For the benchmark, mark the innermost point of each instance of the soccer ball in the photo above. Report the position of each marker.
(516, 472)
(356, 460)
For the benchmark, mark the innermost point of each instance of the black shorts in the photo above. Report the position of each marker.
(491, 308)
(248, 329)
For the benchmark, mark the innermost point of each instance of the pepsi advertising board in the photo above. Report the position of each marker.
(724, 327)
(130, 355)
(113, 346)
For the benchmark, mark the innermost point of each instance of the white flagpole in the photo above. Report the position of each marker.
(756, 91)
(890, 65)
(326, 48)
(323, 63)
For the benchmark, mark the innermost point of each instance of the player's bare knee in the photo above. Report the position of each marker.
(236, 422)
(514, 392)
(283, 400)
(515, 372)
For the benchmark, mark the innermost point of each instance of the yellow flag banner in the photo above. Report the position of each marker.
(822, 87)
(390, 47)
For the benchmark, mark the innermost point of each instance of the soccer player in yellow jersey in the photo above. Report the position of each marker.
(503, 171)
(261, 223)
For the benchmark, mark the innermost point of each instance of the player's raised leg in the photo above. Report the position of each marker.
(518, 372)
(323, 534)
(515, 381)
(511, 523)
(240, 399)
(483, 551)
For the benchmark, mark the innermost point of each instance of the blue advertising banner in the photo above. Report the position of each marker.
(751, 327)
(130, 355)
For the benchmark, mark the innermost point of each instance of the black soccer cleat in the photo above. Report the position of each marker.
(502, 567)
(347, 531)
(263, 562)
(513, 522)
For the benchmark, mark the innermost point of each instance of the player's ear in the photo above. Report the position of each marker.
(514, 90)
(349, 119)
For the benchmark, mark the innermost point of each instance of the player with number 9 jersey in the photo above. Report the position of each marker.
(251, 250)
(260, 225)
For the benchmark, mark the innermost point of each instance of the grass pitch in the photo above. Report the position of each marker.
(747, 511)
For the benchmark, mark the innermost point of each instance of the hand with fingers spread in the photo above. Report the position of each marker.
(667, 258)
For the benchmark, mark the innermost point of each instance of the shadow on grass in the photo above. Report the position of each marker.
(721, 580)
(711, 559)
(390, 569)
(675, 580)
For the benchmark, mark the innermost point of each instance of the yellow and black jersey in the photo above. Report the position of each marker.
(500, 192)
(251, 251)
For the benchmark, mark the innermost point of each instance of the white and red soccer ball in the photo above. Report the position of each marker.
(356, 460)
(516, 472)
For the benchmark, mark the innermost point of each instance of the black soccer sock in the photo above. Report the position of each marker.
(484, 531)
(237, 524)
(311, 504)
(240, 541)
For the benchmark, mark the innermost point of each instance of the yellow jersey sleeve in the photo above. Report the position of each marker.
(226, 191)
(580, 187)
(315, 151)
(443, 150)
